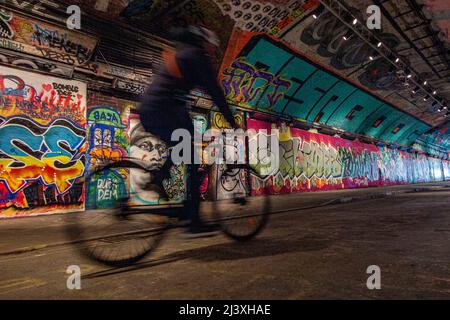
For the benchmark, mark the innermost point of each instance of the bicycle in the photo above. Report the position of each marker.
(121, 235)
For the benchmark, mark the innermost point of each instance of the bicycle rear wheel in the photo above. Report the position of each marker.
(242, 218)
(110, 231)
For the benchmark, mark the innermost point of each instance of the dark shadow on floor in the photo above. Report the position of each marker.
(229, 251)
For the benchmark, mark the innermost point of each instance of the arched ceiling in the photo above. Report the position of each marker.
(267, 75)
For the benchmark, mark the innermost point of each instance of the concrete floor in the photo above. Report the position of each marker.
(317, 253)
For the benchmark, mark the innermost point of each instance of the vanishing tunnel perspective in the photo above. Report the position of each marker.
(349, 98)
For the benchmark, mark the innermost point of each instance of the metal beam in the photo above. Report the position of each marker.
(341, 12)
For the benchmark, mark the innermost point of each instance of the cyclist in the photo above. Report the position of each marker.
(163, 108)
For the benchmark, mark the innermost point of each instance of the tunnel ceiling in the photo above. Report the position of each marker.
(417, 31)
(304, 90)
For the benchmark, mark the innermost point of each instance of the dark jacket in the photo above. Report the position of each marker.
(163, 108)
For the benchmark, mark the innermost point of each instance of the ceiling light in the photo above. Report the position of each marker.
(434, 92)
(371, 58)
(355, 21)
(409, 76)
(397, 60)
(425, 82)
(379, 44)
(314, 16)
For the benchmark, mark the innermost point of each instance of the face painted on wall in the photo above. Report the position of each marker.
(151, 150)
(154, 154)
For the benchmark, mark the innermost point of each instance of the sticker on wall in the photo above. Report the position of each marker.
(42, 145)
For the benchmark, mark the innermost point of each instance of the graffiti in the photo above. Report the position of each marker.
(133, 87)
(310, 161)
(314, 94)
(219, 121)
(42, 150)
(22, 92)
(46, 159)
(234, 182)
(36, 64)
(105, 188)
(435, 142)
(244, 83)
(260, 16)
(8, 44)
(175, 185)
(41, 39)
(298, 11)
(107, 136)
(33, 151)
(320, 160)
(108, 122)
(53, 40)
(161, 181)
(5, 28)
(380, 75)
(328, 32)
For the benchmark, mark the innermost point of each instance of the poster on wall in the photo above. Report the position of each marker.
(42, 145)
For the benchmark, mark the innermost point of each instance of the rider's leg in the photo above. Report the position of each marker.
(193, 204)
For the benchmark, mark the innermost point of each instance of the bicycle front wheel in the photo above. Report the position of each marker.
(110, 231)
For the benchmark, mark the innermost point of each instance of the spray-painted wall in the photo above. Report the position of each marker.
(50, 139)
(107, 138)
(42, 143)
(311, 161)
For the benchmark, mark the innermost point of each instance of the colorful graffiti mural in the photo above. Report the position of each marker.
(42, 150)
(284, 82)
(107, 140)
(310, 161)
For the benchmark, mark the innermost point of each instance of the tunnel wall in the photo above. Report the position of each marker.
(38, 137)
(312, 162)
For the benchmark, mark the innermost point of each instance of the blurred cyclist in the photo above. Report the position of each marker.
(163, 108)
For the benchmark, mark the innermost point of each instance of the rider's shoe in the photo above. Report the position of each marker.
(201, 231)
